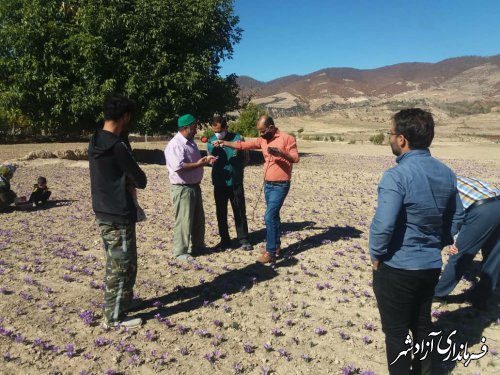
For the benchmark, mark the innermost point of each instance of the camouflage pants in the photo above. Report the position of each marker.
(121, 267)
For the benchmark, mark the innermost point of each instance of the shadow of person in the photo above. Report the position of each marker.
(330, 234)
(260, 235)
(470, 324)
(7, 210)
(192, 298)
(242, 279)
(53, 204)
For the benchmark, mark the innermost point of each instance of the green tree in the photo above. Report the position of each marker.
(246, 123)
(58, 59)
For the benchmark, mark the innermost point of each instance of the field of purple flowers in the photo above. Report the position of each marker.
(314, 313)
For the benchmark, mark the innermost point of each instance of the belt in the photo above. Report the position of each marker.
(189, 185)
(277, 183)
(483, 201)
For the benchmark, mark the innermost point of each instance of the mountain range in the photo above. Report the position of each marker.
(456, 86)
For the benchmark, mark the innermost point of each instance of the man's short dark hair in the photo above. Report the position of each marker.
(42, 180)
(217, 119)
(416, 125)
(116, 105)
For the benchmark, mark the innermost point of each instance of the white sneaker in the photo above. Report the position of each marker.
(127, 322)
(184, 257)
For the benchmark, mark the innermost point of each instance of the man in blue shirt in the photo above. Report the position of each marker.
(418, 212)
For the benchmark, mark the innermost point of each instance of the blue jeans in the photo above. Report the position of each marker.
(275, 193)
(481, 230)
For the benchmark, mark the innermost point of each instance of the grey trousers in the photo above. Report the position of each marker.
(189, 230)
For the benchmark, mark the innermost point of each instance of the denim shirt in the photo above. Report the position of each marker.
(418, 212)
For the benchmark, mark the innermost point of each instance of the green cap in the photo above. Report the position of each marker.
(185, 120)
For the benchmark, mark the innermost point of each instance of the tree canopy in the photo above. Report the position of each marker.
(58, 59)
(247, 121)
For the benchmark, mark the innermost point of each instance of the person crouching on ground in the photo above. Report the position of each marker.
(280, 153)
(7, 196)
(41, 192)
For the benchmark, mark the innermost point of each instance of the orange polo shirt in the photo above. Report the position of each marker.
(276, 168)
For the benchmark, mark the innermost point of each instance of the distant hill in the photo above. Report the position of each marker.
(463, 84)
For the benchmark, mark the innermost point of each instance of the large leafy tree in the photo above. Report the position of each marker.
(58, 59)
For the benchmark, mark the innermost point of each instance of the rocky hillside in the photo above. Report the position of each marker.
(455, 87)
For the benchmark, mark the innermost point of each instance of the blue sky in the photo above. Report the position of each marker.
(283, 37)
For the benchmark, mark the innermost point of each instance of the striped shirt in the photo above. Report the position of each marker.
(472, 190)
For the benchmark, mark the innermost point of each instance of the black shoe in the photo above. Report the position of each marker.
(224, 245)
(203, 250)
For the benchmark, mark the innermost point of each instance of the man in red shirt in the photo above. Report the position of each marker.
(280, 153)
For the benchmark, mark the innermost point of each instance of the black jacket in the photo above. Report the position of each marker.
(112, 168)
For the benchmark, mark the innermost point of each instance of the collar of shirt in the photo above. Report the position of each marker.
(183, 139)
(411, 153)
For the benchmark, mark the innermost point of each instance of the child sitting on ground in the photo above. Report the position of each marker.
(41, 192)
(7, 196)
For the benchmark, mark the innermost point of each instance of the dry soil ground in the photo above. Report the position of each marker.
(313, 314)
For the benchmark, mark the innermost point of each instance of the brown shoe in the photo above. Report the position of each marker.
(266, 258)
(278, 249)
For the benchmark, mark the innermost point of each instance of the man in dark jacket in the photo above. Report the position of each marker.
(114, 176)
(227, 178)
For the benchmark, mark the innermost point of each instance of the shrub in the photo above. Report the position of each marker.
(377, 139)
(245, 125)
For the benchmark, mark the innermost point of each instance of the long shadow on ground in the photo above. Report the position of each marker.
(470, 324)
(243, 279)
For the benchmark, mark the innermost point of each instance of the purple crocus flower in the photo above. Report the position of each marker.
(248, 348)
(344, 335)
(238, 368)
(350, 369)
(70, 350)
(19, 339)
(306, 357)
(268, 347)
(87, 316)
(283, 353)
(276, 332)
(320, 331)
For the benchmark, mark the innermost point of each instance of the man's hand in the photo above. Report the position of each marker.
(375, 264)
(452, 249)
(207, 160)
(212, 159)
(218, 143)
(274, 151)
